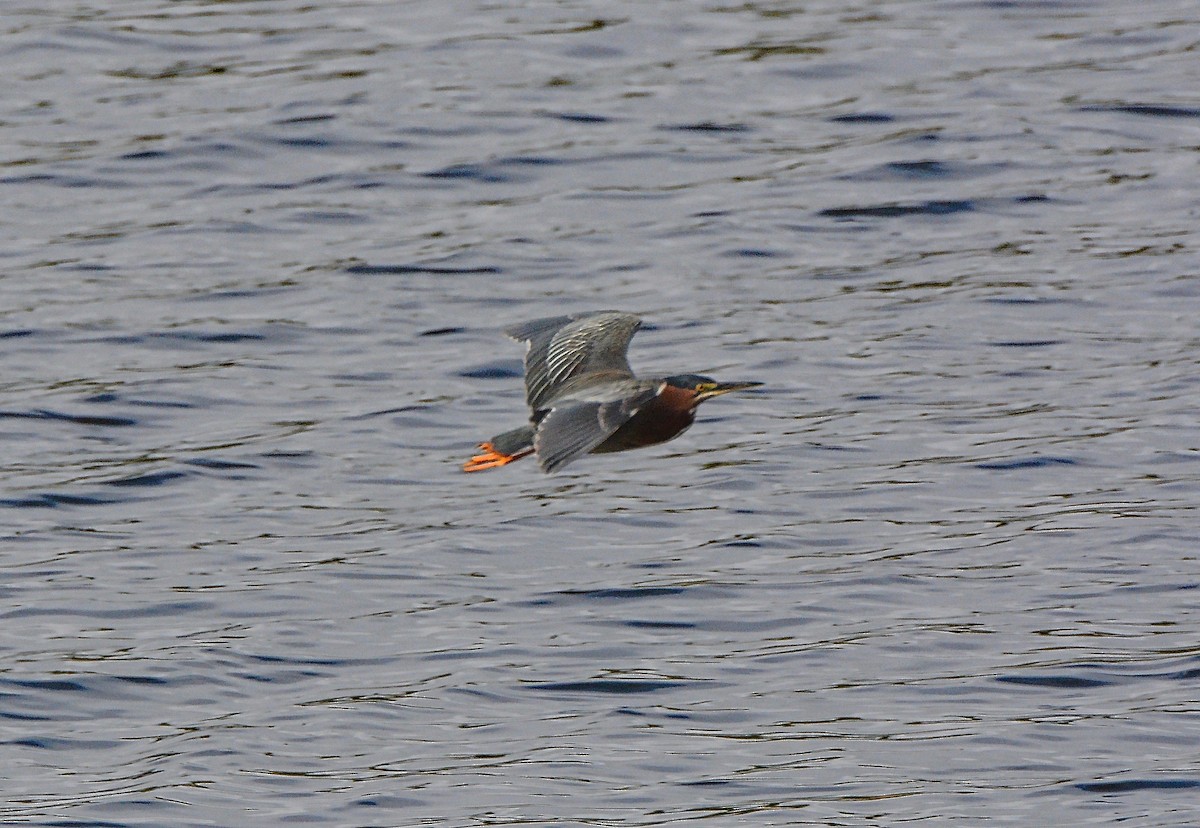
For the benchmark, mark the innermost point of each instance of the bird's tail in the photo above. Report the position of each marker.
(502, 450)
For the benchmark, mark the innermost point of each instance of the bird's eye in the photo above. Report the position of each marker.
(706, 386)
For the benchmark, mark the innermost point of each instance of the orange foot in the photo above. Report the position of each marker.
(491, 459)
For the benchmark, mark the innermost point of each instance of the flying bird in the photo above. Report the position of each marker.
(583, 397)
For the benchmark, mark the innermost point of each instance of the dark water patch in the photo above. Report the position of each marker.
(145, 155)
(1025, 463)
(1147, 537)
(622, 594)
(52, 500)
(68, 181)
(1151, 110)
(17, 333)
(223, 149)
(920, 169)
(1025, 343)
(217, 464)
(863, 118)
(656, 712)
(154, 681)
(263, 658)
(1181, 674)
(529, 161)
(385, 801)
(306, 142)
(579, 117)
(496, 171)
(926, 169)
(441, 331)
(211, 336)
(108, 397)
(29, 502)
(660, 625)
(568, 596)
(401, 269)
(1026, 300)
(1130, 785)
(1178, 675)
(838, 448)
(752, 253)
(502, 369)
(179, 69)
(47, 685)
(60, 744)
(292, 460)
(282, 677)
(188, 337)
(479, 173)
(26, 717)
(305, 119)
(754, 52)
(78, 419)
(708, 126)
(239, 189)
(924, 208)
(1058, 682)
(330, 217)
(382, 412)
(150, 479)
(608, 686)
(165, 609)
(160, 403)
(244, 293)
(78, 500)
(367, 376)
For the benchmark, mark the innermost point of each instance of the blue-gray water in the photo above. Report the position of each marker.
(942, 569)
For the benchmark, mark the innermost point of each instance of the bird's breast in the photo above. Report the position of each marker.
(666, 416)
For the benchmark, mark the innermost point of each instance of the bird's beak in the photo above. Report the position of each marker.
(724, 388)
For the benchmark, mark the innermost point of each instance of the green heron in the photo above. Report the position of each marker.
(584, 398)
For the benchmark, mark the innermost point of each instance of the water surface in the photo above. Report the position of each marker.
(941, 568)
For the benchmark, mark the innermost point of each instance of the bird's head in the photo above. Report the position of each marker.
(704, 388)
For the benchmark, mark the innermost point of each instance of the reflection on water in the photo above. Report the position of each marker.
(942, 567)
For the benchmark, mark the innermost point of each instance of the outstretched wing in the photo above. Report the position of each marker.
(563, 347)
(577, 424)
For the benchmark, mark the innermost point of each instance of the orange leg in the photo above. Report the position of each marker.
(492, 459)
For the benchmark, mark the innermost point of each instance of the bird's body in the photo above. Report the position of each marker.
(584, 398)
(665, 417)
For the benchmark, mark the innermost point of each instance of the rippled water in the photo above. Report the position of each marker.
(942, 568)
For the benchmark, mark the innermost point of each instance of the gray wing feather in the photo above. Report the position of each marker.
(563, 347)
(573, 427)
